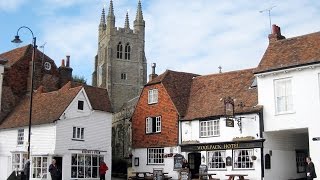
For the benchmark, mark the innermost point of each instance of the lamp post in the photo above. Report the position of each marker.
(17, 40)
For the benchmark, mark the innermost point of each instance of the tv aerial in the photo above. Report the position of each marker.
(269, 12)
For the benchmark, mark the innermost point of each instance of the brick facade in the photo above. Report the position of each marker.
(169, 120)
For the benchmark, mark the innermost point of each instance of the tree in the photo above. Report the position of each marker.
(79, 79)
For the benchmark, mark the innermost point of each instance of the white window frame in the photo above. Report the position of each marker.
(244, 159)
(283, 96)
(216, 159)
(155, 155)
(85, 163)
(209, 128)
(20, 137)
(153, 96)
(39, 171)
(18, 160)
(153, 123)
(77, 133)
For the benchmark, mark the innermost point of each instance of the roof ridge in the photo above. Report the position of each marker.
(225, 73)
(296, 37)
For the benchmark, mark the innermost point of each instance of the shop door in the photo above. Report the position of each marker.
(59, 164)
(194, 160)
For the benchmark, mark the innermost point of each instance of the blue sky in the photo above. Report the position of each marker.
(185, 35)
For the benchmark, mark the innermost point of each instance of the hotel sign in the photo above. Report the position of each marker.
(221, 146)
(85, 151)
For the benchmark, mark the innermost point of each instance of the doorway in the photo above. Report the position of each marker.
(194, 160)
(59, 164)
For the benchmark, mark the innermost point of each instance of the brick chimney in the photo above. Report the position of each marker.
(153, 74)
(65, 72)
(276, 34)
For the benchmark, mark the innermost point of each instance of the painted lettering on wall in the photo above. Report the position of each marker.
(218, 146)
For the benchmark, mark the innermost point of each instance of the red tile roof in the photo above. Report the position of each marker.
(177, 85)
(292, 52)
(48, 107)
(207, 94)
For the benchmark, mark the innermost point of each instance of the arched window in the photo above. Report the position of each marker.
(127, 50)
(119, 51)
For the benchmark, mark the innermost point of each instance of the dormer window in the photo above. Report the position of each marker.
(127, 50)
(153, 96)
(119, 51)
(80, 105)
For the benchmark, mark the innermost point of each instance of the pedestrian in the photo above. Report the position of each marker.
(54, 170)
(102, 170)
(311, 172)
(185, 164)
(26, 170)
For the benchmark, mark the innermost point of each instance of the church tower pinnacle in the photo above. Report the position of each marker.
(102, 24)
(139, 23)
(111, 18)
(126, 24)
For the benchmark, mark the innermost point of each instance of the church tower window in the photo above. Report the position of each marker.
(119, 51)
(127, 50)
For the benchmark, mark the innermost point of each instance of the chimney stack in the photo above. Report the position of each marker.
(276, 34)
(68, 61)
(65, 72)
(153, 74)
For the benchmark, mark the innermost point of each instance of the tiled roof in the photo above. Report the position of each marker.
(178, 86)
(286, 53)
(15, 55)
(207, 94)
(48, 107)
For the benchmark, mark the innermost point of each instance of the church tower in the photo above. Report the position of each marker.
(121, 65)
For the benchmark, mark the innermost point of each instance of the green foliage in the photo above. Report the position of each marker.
(79, 79)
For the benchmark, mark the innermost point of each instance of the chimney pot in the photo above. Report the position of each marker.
(62, 63)
(153, 66)
(68, 61)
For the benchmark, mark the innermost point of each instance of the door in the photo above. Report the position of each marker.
(59, 164)
(194, 160)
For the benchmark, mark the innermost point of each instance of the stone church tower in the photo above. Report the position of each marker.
(121, 65)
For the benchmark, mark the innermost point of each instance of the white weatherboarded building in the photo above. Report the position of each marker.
(72, 125)
(288, 78)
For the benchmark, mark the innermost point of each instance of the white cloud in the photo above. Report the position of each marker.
(10, 5)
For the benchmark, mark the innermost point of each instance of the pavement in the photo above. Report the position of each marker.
(117, 178)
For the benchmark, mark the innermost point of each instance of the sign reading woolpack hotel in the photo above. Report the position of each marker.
(222, 145)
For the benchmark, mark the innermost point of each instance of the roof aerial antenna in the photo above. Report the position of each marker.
(269, 10)
(42, 46)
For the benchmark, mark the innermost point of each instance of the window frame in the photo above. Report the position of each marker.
(119, 50)
(127, 51)
(156, 155)
(75, 131)
(212, 126)
(83, 165)
(123, 76)
(22, 158)
(222, 156)
(44, 166)
(80, 105)
(153, 96)
(153, 123)
(248, 159)
(287, 97)
(20, 137)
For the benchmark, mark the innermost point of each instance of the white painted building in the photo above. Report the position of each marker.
(288, 79)
(72, 125)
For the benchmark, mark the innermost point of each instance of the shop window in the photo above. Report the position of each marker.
(18, 161)
(78, 133)
(209, 128)
(301, 163)
(39, 167)
(155, 155)
(20, 136)
(153, 96)
(216, 159)
(153, 124)
(283, 95)
(242, 159)
(85, 166)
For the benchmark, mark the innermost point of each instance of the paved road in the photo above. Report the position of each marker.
(116, 178)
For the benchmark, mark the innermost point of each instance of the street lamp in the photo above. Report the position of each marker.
(18, 40)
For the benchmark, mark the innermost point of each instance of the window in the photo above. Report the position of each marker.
(119, 51)
(301, 161)
(153, 124)
(20, 136)
(78, 133)
(242, 159)
(123, 76)
(283, 95)
(100, 75)
(152, 96)
(85, 165)
(18, 160)
(127, 52)
(80, 105)
(155, 155)
(209, 128)
(217, 159)
(39, 167)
